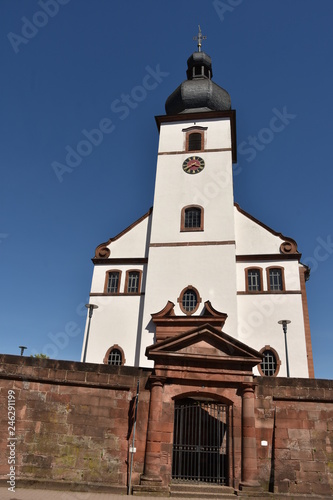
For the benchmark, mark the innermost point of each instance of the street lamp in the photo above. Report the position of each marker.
(23, 348)
(90, 307)
(284, 323)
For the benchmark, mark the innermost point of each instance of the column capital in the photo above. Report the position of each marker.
(155, 381)
(247, 390)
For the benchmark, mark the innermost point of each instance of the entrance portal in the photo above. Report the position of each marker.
(200, 443)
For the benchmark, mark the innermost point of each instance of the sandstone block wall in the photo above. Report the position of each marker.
(73, 421)
(295, 418)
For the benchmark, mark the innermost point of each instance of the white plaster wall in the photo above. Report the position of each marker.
(98, 281)
(133, 243)
(114, 322)
(258, 326)
(117, 319)
(252, 238)
(210, 269)
(172, 138)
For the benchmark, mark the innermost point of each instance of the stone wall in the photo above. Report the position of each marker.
(73, 421)
(295, 418)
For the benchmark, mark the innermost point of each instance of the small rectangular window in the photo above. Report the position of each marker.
(253, 280)
(275, 280)
(113, 282)
(133, 282)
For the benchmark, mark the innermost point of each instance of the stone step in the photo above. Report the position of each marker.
(206, 490)
(150, 490)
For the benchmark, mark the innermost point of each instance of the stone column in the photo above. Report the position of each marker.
(153, 446)
(249, 443)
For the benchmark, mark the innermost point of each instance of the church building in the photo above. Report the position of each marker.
(197, 374)
(196, 259)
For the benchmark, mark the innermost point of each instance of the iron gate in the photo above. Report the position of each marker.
(200, 443)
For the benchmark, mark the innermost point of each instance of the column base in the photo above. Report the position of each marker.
(250, 486)
(150, 486)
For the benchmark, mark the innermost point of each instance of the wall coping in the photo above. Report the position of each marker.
(74, 373)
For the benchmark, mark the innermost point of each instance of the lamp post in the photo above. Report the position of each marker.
(90, 307)
(284, 323)
(23, 348)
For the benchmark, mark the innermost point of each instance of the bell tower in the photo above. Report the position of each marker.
(192, 243)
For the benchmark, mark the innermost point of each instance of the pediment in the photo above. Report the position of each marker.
(206, 344)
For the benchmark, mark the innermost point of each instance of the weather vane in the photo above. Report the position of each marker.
(200, 37)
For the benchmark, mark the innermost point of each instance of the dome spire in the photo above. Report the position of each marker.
(199, 38)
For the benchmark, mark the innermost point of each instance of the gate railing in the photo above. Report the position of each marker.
(200, 447)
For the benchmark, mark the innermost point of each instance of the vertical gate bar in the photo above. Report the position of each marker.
(184, 461)
(181, 421)
(212, 442)
(193, 428)
(178, 442)
(220, 445)
(216, 442)
(199, 440)
(174, 442)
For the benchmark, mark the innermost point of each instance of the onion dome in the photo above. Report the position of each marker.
(198, 92)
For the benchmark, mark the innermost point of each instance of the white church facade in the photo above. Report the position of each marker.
(196, 257)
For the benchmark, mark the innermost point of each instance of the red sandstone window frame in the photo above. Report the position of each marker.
(181, 296)
(182, 219)
(194, 130)
(127, 281)
(280, 268)
(252, 268)
(107, 279)
(107, 354)
(277, 358)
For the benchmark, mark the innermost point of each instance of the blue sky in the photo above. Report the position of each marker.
(67, 67)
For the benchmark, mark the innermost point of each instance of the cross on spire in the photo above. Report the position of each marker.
(200, 37)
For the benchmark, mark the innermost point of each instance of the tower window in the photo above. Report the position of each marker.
(270, 365)
(253, 280)
(275, 279)
(194, 138)
(112, 281)
(192, 218)
(194, 141)
(189, 300)
(133, 281)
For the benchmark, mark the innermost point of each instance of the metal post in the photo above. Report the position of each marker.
(91, 307)
(284, 323)
(132, 449)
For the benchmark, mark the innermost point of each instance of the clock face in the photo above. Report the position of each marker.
(193, 165)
